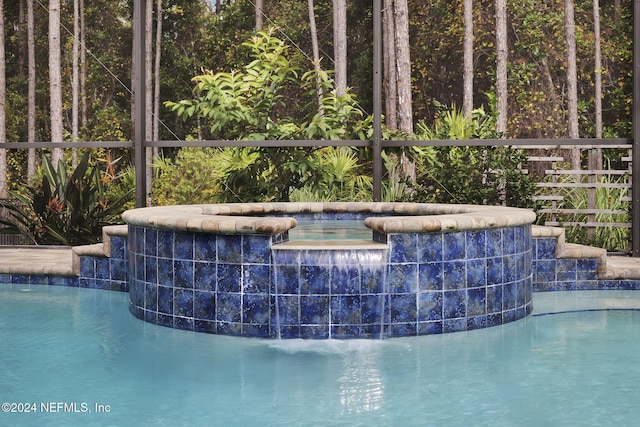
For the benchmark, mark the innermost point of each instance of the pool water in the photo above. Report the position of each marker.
(82, 347)
(347, 229)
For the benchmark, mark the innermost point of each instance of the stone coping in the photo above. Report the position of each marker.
(252, 218)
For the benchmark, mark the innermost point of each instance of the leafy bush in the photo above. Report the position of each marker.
(470, 174)
(64, 209)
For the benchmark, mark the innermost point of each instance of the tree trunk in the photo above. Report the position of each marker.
(156, 91)
(316, 52)
(403, 57)
(31, 91)
(83, 67)
(55, 80)
(572, 84)
(598, 68)
(467, 92)
(340, 45)
(75, 79)
(3, 128)
(22, 39)
(259, 16)
(148, 28)
(390, 71)
(501, 66)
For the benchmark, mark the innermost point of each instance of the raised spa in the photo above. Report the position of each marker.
(427, 269)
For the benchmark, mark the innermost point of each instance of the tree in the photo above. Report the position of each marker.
(340, 45)
(403, 57)
(390, 70)
(316, 51)
(259, 15)
(75, 82)
(572, 81)
(31, 95)
(467, 92)
(501, 66)
(55, 80)
(3, 88)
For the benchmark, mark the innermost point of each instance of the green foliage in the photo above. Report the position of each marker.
(250, 104)
(64, 209)
(473, 174)
(612, 238)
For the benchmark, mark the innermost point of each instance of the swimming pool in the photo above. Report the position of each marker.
(80, 346)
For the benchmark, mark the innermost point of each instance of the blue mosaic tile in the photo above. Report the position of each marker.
(118, 248)
(476, 273)
(207, 327)
(256, 249)
(151, 242)
(509, 296)
(257, 331)
(183, 274)
(38, 280)
(286, 278)
(454, 325)
(314, 279)
(150, 316)
(204, 276)
(165, 320)
(165, 299)
(495, 270)
(165, 243)
(372, 280)
(545, 248)
(165, 272)
(5, 278)
(430, 328)
(477, 322)
(522, 236)
(544, 271)
(229, 307)
(494, 299)
(494, 319)
(372, 308)
(587, 270)
(494, 242)
(286, 312)
(454, 304)
(136, 293)
(344, 331)
(430, 306)
(151, 270)
(510, 268)
(345, 280)
(521, 294)
(183, 302)
(430, 276)
(288, 332)
(566, 270)
(256, 309)
(314, 310)
(63, 281)
(454, 275)
(230, 249)
(183, 246)
(403, 308)
(403, 248)
(118, 269)
(402, 278)
(204, 305)
(229, 278)
(87, 266)
(403, 329)
(453, 246)
(256, 279)
(151, 297)
(430, 247)
(184, 323)
(477, 302)
(508, 241)
(345, 310)
(476, 246)
(205, 247)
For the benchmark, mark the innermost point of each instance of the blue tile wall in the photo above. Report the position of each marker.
(428, 284)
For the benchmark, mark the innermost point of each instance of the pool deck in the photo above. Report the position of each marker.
(60, 261)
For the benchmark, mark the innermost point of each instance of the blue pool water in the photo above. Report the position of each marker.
(346, 229)
(81, 347)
